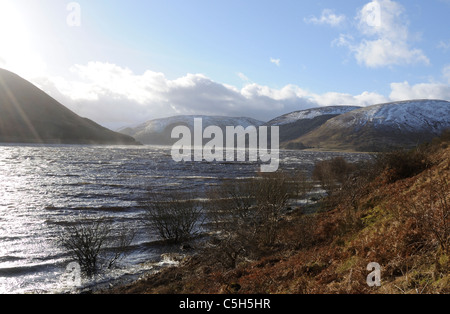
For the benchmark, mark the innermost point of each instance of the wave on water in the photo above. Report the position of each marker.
(46, 188)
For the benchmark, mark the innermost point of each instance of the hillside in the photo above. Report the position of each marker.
(386, 215)
(296, 124)
(28, 115)
(292, 125)
(158, 131)
(310, 114)
(381, 127)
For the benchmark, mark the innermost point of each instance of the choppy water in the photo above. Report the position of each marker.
(43, 188)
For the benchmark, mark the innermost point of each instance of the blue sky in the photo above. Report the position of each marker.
(126, 62)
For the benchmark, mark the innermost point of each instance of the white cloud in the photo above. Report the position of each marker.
(243, 77)
(432, 90)
(404, 91)
(385, 37)
(327, 17)
(363, 100)
(385, 52)
(444, 45)
(446, 73)
(115, 96)
(275, 61)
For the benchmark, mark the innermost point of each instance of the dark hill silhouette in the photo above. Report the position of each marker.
(28, 115)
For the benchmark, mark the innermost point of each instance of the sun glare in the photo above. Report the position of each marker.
(16, 51)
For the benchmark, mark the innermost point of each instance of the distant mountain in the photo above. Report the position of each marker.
(159, 131)
(381, 127)
(28, 115)
(296, 124)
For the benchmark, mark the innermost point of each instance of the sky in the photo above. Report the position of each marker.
(121, 63)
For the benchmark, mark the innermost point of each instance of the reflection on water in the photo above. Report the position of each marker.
(43, 188)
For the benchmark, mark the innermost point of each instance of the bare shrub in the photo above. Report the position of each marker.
(344, 183)
(432, 213)
(441, 142)
(231, 211)
(226, 250)
(323, 173)
(301, 185)
(246, 214)
(428, 214)
(300, 232)
(122, 237)
(272, 192)
(175, 216)
(332, 174)
(95, 245)
(402, 164)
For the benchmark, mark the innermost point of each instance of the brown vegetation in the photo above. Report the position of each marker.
(246, 216)
(393, 213)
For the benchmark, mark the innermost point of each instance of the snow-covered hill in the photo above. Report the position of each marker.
(311, 114)
(158, 131)
(381, 127)
(416, 115)
(296, 124)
